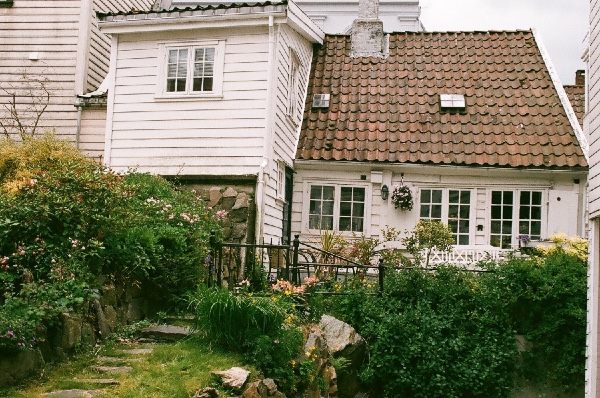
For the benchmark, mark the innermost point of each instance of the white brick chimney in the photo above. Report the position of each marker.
(367, 35)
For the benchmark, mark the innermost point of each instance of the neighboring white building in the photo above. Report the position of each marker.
(212, 95)
(474, 123)
(58, 42)
(336, 16)
(592, 127)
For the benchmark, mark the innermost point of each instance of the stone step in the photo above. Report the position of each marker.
(115, 360)
(72, 393)
(98, 382)
(113, 369)
(138, 351)
(166, 332)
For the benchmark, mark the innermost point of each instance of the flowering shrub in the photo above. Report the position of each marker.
(66, 220)
(402, 197)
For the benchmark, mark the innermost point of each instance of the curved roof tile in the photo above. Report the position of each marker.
(388, 109)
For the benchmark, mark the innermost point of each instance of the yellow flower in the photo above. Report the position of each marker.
(307, 353)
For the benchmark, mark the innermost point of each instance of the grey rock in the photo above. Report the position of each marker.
(206, 392)
(235, 377)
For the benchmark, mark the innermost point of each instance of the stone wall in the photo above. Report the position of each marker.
(236, 198)
(115, 305)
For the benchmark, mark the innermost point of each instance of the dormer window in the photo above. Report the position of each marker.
(452, 102)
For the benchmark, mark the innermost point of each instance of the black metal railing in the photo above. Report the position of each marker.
(232, 263)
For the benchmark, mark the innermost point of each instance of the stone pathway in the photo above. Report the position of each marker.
(117, 365)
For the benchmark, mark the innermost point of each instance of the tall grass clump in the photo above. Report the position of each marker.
(67, 223)
(266, 329)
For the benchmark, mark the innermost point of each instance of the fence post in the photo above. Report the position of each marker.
(294, 259)
(381, 275)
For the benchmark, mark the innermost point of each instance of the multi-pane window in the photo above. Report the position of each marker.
(191, 70)
(339, 208)
(321, 207)
(530, 214)
(515, 213)
(501, 219)
(452, 207)
(293, 81)
(459, 212)
(352, 209)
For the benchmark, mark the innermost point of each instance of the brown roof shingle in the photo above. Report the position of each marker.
(387, 110)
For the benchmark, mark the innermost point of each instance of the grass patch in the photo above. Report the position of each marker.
(170, 371)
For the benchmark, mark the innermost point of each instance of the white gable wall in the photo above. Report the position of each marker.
(211, 136)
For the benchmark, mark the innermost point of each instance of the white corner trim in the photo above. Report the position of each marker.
(562, 95)
(110, 86)
(83, 46)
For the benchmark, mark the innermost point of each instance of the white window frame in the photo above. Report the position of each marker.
(336, 205)
(446, 205)
(516, 212)
(188, 94)
(452, 101)
(280, 181)
(293, 89)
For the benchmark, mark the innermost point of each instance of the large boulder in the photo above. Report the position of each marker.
(346, 346)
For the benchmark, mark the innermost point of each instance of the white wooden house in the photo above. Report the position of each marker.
(592, 127)
(212, 95)
(58, 42)
(475, 124)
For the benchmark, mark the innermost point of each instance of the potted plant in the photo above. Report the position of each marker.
(402, 197)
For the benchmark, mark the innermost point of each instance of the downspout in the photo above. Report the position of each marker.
(79, 105)
(260, 184)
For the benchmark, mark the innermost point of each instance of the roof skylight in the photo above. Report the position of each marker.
(452, 101)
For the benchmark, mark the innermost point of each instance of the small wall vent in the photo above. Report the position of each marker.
(320, 101)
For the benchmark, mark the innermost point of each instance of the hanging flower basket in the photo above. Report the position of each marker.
(402, 197)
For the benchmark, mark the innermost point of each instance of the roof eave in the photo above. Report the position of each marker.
(564, 99)
(130, 24)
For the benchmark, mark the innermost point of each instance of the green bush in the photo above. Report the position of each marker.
(545, 298)
(67, 222)
(434, 335)
(451, 332)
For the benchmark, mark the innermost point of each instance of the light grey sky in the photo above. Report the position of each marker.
(562, 24)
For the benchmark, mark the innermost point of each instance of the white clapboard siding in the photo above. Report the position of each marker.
(48, 28)
(51, 29)
(285, 129)
(204, 136)
(93, 128)
(594, 110)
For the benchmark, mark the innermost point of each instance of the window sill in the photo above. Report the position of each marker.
(187, 97)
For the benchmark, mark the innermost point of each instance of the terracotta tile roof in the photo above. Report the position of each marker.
(387, 110)
(576, 95)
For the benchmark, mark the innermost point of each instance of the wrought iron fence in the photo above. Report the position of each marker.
(260, 264)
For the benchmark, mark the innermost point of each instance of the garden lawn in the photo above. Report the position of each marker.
(171, 370)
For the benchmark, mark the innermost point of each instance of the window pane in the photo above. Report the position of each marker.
(496, 212)
(453, 196)
(426, 196)
(436, 212)
(321, 207)
(463, 239)
(352, 209)
(437, 196)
